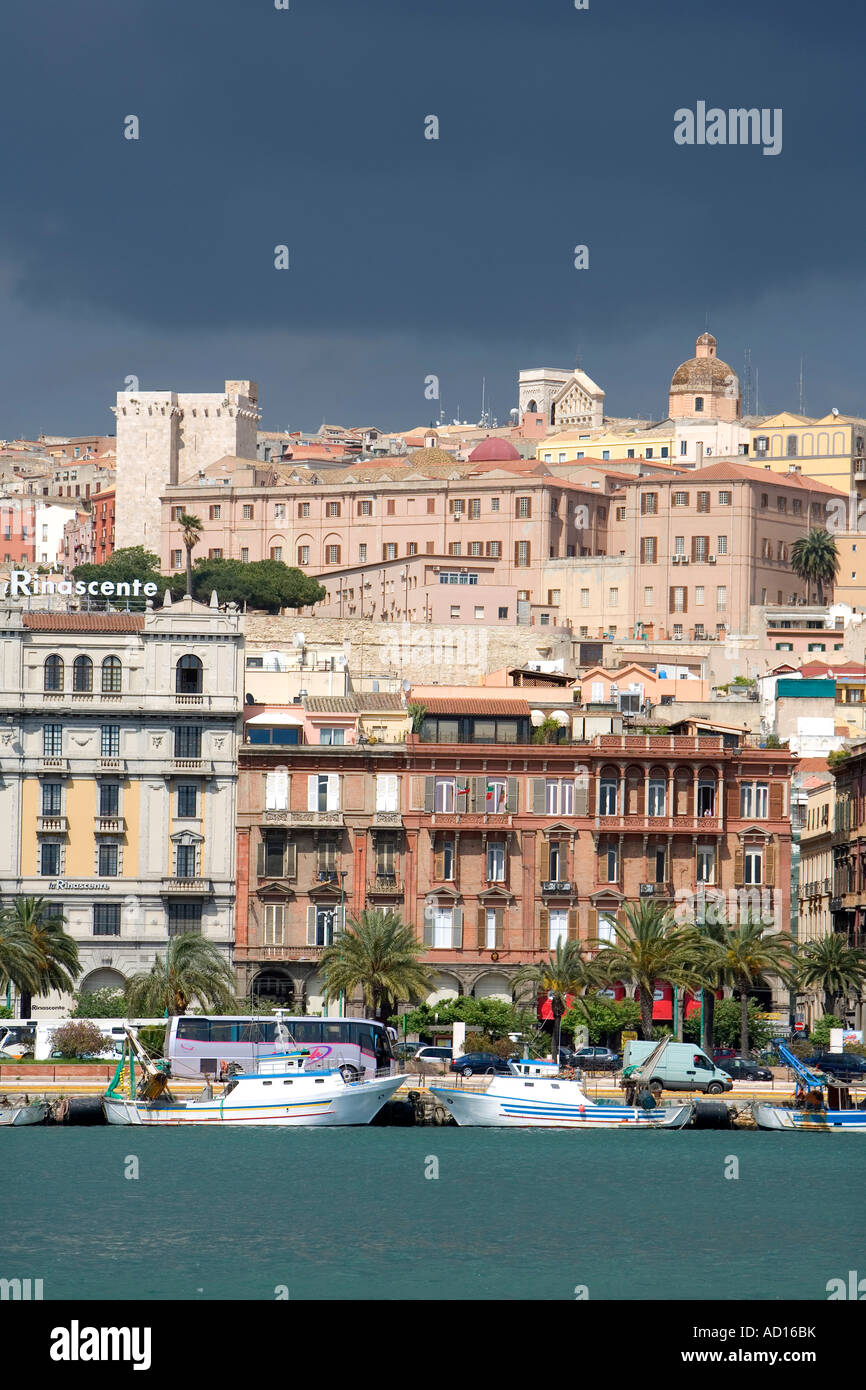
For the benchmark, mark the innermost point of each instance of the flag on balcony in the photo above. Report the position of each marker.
(493, 795)
(463, 791)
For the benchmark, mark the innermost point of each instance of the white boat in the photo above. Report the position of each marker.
(809, 1110)
(32, 1114)
(281, 1091)
(527, 1098)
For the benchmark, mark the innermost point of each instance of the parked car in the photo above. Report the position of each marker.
(722, 1054)
(473, 1063)
(594, 1059)
(405, 1051)
(744, 1069)
(843, 1066)
(433, 1054)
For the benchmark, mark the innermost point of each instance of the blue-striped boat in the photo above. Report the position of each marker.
(542, 1102)
(809, 1109)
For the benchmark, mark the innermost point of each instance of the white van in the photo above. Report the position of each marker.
(682, 1067)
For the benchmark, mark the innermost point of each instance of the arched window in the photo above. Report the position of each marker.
(53, 673)
(188, 676)
(111, 670)
(82, 673)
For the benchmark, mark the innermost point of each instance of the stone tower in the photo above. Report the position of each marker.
(167, 437)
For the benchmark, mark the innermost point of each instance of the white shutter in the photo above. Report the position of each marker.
(386, 791)
(598, 692)
(313, 792)
(333, 791)
(277, 791)
(311, 925)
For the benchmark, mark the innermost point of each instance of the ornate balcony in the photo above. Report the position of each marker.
(52, 825)
(109, 825)
(299, 820)
(556, 885)
(197, 887)
(386, 885)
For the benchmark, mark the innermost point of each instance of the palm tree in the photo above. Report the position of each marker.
(746, 956)
(649, 947)
(191, 529)
(709, 936)
(52, 958)
(833, 967)
(194, 968)
(377, 952)
(18, 965)
(566, 973)
(815, 559)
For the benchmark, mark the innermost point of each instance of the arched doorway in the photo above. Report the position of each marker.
(444, 987)
(103, 978)
(495, 985)
(272, 985)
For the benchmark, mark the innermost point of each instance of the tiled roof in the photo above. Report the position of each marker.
(84, 622)
(482, 707)
(363, 702)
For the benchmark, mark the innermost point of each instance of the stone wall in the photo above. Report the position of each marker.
(422, 653)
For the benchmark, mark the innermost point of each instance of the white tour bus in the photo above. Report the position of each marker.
(35, 1036)
(196, 1044)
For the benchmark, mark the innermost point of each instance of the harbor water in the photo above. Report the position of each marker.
(362, 1214)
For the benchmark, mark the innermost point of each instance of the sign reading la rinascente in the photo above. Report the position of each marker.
(24, 584)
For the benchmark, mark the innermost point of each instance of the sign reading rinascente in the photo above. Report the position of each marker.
(69, 885)
(24, 584)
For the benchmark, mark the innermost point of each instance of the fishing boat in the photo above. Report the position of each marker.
(32, 1113)
(819, 1104)
(281, 1091)
(530, 1097)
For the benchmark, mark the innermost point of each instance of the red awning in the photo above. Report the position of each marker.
(545, 1006)
(663, 1002)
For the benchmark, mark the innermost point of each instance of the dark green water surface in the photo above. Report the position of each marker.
(349, 1213)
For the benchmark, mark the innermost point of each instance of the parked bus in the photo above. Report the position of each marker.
(196, 1044)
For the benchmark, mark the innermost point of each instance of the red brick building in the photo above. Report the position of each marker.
(494, 847)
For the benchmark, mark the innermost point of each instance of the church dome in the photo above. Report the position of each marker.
(702, 373)
(705, 385)
(493, 450)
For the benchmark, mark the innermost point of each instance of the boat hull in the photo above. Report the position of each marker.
(356, 1103)
(511, 1107)
(821, 1121)
(25, 1114)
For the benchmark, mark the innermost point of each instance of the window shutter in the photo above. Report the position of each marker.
(438, 862)
(733, 799)
(671, 599)
(685, 599)
(738, 866)
(291, 860)
(381, 794)
(481, 937)
(511, 794)
(260, 859)
(777, 801)
(429, 793)
(544, 930)
(592, 923)
(333, 791)
(313, 792)
(516, 552)
(416, 793)
(478, 794)
(500, 928)
(770, 865)
(581, 797)
(694, 548)
(457, 929)
(572, 924)
(277, 791)
(428, 924)
(311, 925)
(539, 796)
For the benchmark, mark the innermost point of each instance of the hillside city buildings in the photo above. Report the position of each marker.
(621, 587)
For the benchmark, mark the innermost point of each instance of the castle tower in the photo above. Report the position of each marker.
(166, 437)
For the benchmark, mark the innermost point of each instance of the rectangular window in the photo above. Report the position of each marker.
(365, 506)
(725, 499)
(362, 554)
(276, 552)
(52, 798)
(248, 512)
(558, 927)
(584, 598)
(678, 599)
(412, 548)
(110, 741)
(649, 504)
(681, 499)
(107, 861)
(495, 861)
(49, 858)
(245, 555)
(275, 924)
(176, 559)
(657, 797)
(524, 507)
(303, 509)
(187, 741)
(387, 791)
(332, 554)
(607, 793)
(753, 866)
(215, 554)
(443, 923)
(187, 801)
(503, 613)
(474, 507)
(679, 545)
(106, 919)
(721, 545)
(721, 598)
(455, 548)
(448, 860)
(494, 550)
(390, 551)
(109, 799)
(444, 795)
(705, 864)
(610, 857)
(649, 550)
(336, 738)
(332, 509)
(184, 917)
(186, 855)
(494, 504)
(699, 594)
(521, 554)
(703, 501)
(215, 513)
(303, 554)
(52, 740)
(648, 597)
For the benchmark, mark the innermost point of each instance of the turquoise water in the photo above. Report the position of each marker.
(348, 1213)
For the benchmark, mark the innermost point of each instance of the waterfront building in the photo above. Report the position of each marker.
(118, 758)
(817, 796)
(493, 847)
(88, 537)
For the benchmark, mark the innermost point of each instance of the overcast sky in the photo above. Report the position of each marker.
(305, 127)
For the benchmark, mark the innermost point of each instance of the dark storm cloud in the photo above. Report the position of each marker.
(408, 256)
